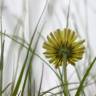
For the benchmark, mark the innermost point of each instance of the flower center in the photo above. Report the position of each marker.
(64, 52)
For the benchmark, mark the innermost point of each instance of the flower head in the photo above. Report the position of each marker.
(61, 45)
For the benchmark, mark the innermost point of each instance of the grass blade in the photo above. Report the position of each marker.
(1, 66)
(84, 77)
(5, 89)
(78, 75)
(25, 62)
(22, 71)
(41, 80)
(26, 77)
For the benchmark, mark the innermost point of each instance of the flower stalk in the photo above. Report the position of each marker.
(65, 76)
(65, 80)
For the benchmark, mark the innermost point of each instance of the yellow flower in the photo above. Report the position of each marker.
(61, 45)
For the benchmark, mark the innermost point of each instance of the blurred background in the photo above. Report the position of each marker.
(19, 19)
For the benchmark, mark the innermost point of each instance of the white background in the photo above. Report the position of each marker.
(21, 17)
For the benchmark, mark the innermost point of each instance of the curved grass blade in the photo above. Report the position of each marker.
(25, 62)
(2, 47)
(26, 77)
(41, 80)
(58, 86)
(1, 66)
(5, 89)
(25, 46)
(80, 88)
(19, 54)
(21, 74)
(78, 75)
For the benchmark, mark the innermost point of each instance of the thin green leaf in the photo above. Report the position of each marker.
(26, 77)
(58, 86)
(19, 54)
(5, 89)
(1, 65)
(41, 80)
(80, 88)
(20, 76)
(78, 75)
(25, 62)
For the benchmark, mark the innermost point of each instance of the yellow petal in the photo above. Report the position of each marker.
(78, 44)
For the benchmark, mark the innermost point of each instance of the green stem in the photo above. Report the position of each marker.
(65, 77)
(0, 82)
(65, 80)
